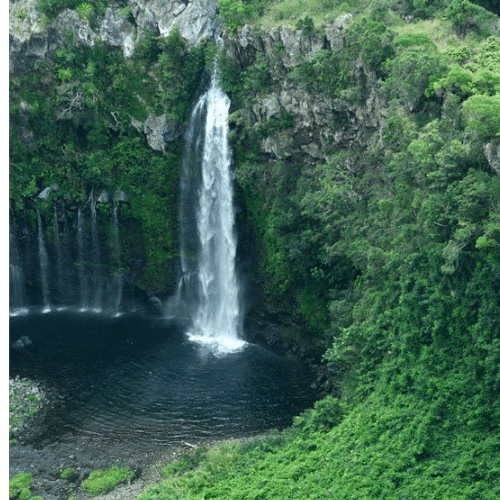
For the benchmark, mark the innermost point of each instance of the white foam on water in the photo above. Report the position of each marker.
(218, 346)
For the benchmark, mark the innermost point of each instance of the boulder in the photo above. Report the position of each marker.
(160, 132)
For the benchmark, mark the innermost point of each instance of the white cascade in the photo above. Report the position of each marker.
(17, 295)
(209, 279)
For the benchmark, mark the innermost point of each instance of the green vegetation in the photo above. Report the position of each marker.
(67, 473)
(18, 486)
(388, 256)
(25, 399)
(384, 255)
(101, 482)
(85, 119)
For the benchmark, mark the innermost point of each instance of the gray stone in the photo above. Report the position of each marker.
(117, 31)
(493, 156)
(120, 196)
(194, 19)
(44, 195)
(103, 197)
(160, 132)
(68, 21)
(319, 123)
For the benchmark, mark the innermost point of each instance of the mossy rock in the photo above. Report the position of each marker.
(101, 482)
(17, 485)
(68, 473)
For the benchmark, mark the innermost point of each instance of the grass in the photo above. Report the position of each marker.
(101, 482)
(390, 448)
(440, 32)
(288, 12)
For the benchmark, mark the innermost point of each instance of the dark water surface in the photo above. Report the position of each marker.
(138, 382)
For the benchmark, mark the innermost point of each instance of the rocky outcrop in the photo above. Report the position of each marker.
(118, 31)
(194, 18)
(160, 132)
(33, 38)
(31, 35)
(492, 153)
(315, 125)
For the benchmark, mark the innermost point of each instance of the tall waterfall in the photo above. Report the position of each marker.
(209, 283)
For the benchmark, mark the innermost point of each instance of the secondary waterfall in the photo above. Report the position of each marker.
(117, 287)
(96, 258)
(17, 295)
(44, 265)
(209, 285)
(82, 277)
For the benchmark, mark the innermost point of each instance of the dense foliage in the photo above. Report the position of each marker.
(73, 127)
(386, 255)
(390, 256)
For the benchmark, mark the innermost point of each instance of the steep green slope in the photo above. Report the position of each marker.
(390, 255)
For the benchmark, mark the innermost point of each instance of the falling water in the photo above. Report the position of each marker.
(59, 264)
(17, 296)
(44, 265)
(84, 292)
(208, 256)
(118, 277)
(96, 258)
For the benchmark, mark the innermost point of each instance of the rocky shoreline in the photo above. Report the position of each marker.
(29, 409)
(26, 399)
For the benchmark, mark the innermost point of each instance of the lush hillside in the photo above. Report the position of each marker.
(367, 159)
(388, 252)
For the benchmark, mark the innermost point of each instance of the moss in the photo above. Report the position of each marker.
(24, 494)
(18, 484)
(67, 473)
(100, 482)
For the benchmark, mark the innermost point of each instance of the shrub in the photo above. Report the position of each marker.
(326, 414)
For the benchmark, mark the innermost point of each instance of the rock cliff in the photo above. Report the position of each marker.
(34, 39)
(317, 124)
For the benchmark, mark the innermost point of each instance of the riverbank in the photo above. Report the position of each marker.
(29, 408)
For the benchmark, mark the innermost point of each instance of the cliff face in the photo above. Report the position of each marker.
(34, 40)
(99, 98)
(104, 78)
(117, 25)
(318, 124)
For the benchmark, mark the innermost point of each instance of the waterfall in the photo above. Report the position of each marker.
(44, 265)
(208, 244)
(80, 237)
(118, 276)
(17, 295)
(59, 264)
(96, 258)
(69, 263)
